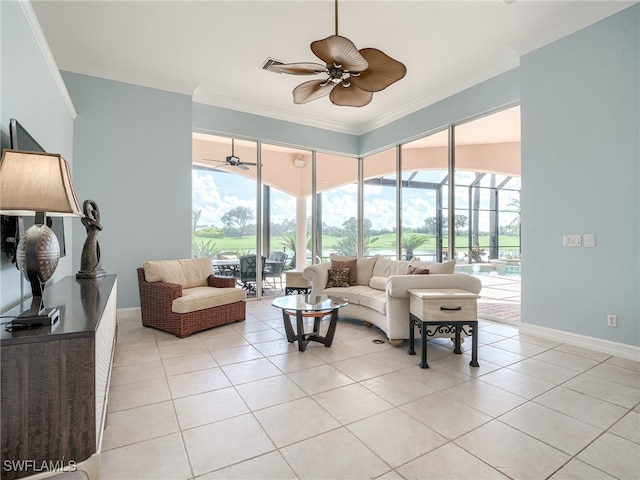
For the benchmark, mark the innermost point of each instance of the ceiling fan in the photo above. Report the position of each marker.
(352, 75)
(232, 160)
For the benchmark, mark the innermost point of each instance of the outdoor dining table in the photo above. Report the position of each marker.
(232, 265)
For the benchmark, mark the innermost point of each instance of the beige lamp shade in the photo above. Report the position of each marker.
(36, 182)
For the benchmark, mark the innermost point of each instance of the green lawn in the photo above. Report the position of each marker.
(386, 242)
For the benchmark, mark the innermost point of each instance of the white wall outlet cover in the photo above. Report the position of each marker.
(589, 240)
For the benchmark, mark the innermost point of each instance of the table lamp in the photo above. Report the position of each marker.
(37, 183)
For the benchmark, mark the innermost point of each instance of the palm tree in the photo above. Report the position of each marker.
(289, 240)
(515, 223)
(413, 241)
(200, 249)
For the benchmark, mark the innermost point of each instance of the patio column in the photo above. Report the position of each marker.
(301, 232)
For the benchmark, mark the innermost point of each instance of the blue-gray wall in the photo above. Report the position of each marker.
(29, 92)
(224, 121)
(580, 108)
(133, 158)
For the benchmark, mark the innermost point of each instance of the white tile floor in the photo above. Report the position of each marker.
(240, 402)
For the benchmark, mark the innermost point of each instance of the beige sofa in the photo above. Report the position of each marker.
(378, 292)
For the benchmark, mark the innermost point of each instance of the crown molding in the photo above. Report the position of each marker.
(215, 100)
(444, 91)
(38, 34)
(126, 75)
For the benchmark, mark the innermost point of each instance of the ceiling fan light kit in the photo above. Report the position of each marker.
(352, 75)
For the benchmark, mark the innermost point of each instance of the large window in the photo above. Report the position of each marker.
(336, 222)
(286, 180)
(487, 191)
(224, 197)
(380, 212)
(424, 195)
(263, 199)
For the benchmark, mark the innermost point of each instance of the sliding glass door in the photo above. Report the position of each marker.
(224, 209)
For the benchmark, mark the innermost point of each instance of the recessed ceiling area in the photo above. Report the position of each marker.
(214, 50)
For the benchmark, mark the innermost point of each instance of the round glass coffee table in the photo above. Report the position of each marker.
(315, 306)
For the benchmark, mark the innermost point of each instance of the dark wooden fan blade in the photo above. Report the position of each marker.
(312, 90)
(340, 50)
(300, 68)
(382, 72)
(253, 164)
(350, 96)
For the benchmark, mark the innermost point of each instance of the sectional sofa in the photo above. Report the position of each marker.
(377, 288)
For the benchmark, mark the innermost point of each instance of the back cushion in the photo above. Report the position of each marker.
(169, 271)
(196, 271)
(444, 267)
(188, 272)
(365, 269)
(385, 267)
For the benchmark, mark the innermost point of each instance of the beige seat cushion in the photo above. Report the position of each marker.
(187, 272)
(374, 299)
(350, 293)
(201, 298)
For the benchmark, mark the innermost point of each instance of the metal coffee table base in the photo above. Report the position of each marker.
(304, 338)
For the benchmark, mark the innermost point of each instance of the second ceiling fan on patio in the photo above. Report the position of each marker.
(352, 75)
(232, 160)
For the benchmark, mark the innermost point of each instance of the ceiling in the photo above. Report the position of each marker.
(214, 50)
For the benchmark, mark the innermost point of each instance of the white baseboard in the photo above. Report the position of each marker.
(130, 313)
(623, 350)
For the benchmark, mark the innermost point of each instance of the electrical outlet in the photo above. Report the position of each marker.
(612, 320)
(589, 240)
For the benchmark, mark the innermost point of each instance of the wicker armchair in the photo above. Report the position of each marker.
(156, 305)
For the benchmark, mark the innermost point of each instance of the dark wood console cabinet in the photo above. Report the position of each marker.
(55, 380)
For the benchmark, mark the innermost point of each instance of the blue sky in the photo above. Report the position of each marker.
(215, 193)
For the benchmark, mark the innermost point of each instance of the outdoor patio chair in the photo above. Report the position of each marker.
(274, 268)
(248, 272)
(227, 270)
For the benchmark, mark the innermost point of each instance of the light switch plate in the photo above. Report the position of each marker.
(572, 241)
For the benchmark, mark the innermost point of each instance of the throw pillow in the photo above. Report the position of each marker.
(338, 277)
(411, 270)
(364, 266)
(352, 265)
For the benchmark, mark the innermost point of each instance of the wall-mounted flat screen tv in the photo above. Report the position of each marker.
(22, 140)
